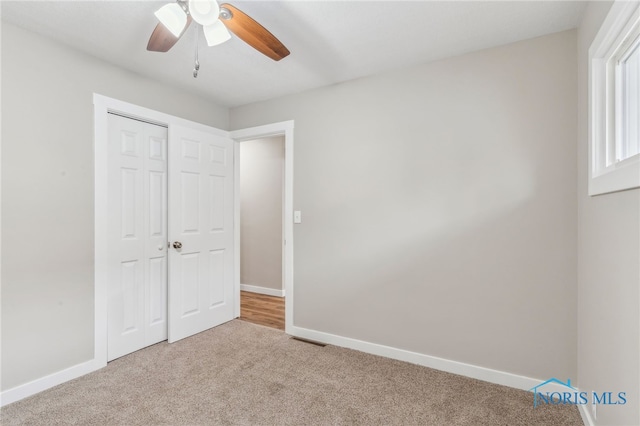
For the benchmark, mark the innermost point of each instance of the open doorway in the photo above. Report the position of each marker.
(281, 129)
(262, 293)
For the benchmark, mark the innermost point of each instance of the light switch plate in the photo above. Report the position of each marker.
(297, 216)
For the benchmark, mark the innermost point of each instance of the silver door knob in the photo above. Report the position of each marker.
(177, 245)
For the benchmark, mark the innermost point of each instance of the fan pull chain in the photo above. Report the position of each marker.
(196, 66)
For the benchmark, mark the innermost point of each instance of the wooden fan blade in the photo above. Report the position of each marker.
(162, 39)
(252, 33)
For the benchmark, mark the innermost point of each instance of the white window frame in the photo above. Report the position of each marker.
(606, 172)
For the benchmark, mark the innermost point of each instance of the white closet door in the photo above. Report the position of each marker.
(137, 245)
(201, 231)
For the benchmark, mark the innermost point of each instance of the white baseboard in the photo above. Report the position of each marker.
(455, 367)
(20, 392)
(586, 415)
(262, 290)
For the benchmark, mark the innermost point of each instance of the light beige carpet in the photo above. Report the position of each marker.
(245, 374)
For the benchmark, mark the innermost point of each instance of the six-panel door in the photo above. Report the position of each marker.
(201, 222)
(137, 241)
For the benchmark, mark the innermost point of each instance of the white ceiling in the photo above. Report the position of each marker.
(330, 41)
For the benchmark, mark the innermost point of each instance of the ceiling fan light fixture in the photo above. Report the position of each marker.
(216, 33)
(204, 12)
(172, 17)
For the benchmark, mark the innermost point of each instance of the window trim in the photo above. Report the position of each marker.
(604, 126)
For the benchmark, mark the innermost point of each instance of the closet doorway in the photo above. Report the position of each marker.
(165, 256)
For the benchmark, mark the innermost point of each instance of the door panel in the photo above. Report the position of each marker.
(132, 289)
(137, 273)
(157, 201)
(216, 188)
(190, 206)
(216, 265)
(201, 219)
(189, 263)
(158, 290)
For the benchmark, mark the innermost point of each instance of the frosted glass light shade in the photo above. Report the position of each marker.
(204, 12)
(216, 33)
(172, 17)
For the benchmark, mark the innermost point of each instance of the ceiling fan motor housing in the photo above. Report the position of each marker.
(204, 12)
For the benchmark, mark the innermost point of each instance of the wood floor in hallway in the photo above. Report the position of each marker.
(262, 309)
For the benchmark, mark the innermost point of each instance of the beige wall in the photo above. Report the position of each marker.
(608, 269)
(261, 192)
(439, 206)
(47, 195)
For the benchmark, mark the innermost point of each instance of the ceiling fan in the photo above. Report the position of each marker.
(216, 21)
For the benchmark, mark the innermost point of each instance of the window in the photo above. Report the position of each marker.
(629, 82)
(614, 131)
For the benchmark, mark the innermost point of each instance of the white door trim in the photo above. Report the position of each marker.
(275, 129)
(102, 106)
